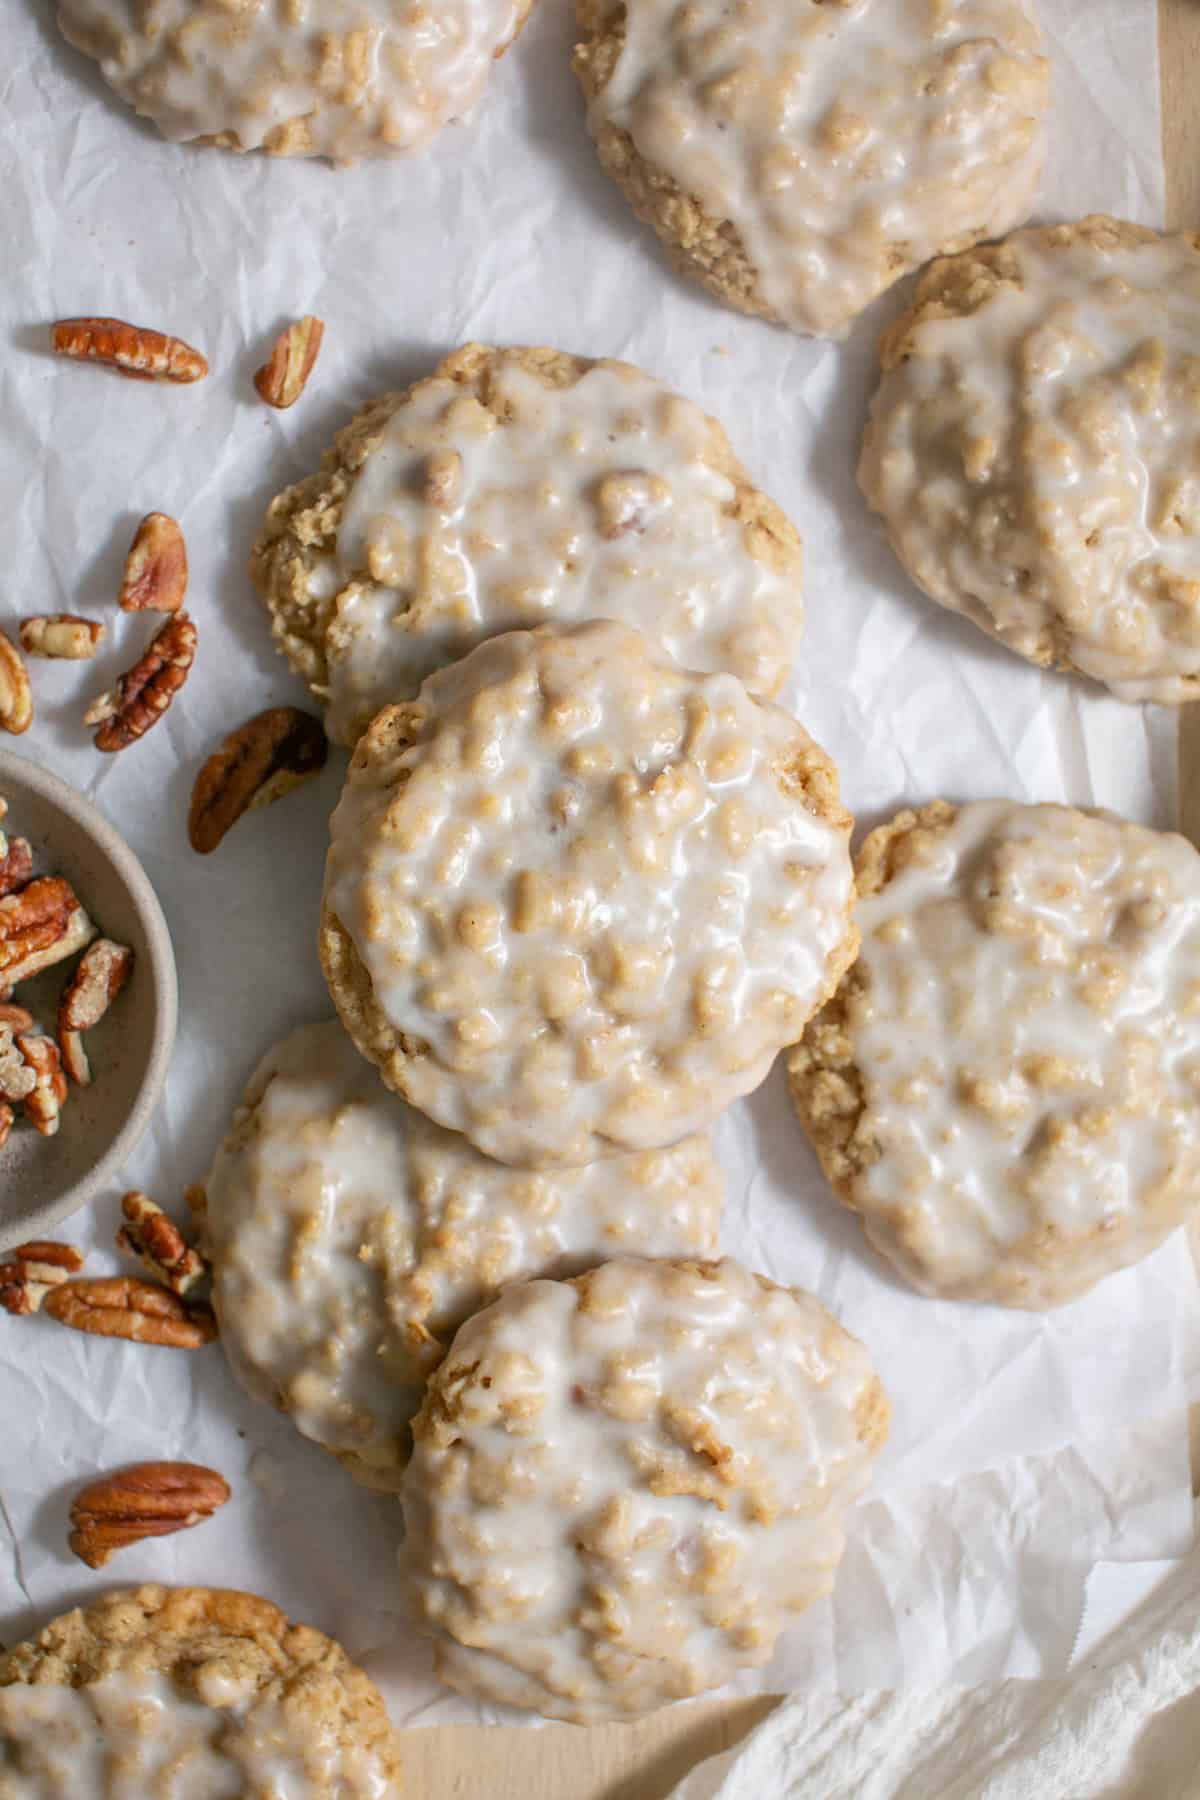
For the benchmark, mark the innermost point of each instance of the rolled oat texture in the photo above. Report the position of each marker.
(515, 488)
(110, 1700)
(798, 159)
(625, 1486)
(1005, 1086)
(350, 1237)
(328, 78)
(1031, 449)
(577, 898)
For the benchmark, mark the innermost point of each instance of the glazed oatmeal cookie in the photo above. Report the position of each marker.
(1033, 445)
(1006, 1086)
(337, 78)
(104, 1702)
(350, 1237)
(625, 1486)
(577, 898)
(798, 159)
(516, 488)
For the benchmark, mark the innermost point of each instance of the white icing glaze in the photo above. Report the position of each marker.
(1035, 460)
(846, 142)
(351, 1236)
(1028, 1041)
(129, 1737)
(549, 504)
(624, 1488)
(336, 78)
(589, 889)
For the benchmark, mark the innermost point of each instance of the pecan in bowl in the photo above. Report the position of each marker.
(69, 881)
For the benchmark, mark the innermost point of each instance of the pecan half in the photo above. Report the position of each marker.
(98, 978)
(102, 972)
(148, 1233)
(16, 696)
(132, 350)
(43, 1105)
(39, 926)
(32, 1270)
(156, 568)
(120, 1306)
(262, 760)
(146, 1500)
(142, 696)
(63, 635)
(16, 865)
(282, 378)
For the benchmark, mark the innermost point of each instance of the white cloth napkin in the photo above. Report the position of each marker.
(1123, 1725)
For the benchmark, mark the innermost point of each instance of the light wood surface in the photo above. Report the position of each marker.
(645, 1761)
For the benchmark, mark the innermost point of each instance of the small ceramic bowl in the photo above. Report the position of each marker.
(44, 1180)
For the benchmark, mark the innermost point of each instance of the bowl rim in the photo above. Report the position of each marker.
(163, 978)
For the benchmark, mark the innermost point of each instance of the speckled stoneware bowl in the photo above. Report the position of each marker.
(44, 1180)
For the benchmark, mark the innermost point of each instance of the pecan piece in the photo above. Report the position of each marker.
(156, 568)
(98, 978)
(258, 763)
(132, 350)
(121, 1306)
(142, 696)
(31, 1272)
(16, 696)
(17, 1078)
(44, 1103)
(7, 1121)
(16, 865)
(39, 926)
(282, 378)
(15, 1017)
(146, 1500)
(63, 635)
(148, 1233)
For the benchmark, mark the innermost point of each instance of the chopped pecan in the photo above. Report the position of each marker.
(258, 763)
(156, 568)
(7, 1121)
(95, 983)
(16, 695)
(17, 1077)
(43, 1105)
(141, 697)
(148, 1233)
(15, 1017)
(132, 350)
(121, 1306)
(282, 378)
(63, 635)
(39, 926)
(75, 1059)
(16, 865)
(31, 1272)
(146, 1500)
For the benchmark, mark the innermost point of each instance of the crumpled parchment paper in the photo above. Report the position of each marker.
(1025, 1449)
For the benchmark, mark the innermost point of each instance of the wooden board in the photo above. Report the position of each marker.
(645, 1761)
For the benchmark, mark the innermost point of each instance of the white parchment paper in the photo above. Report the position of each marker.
(1025, 1449)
